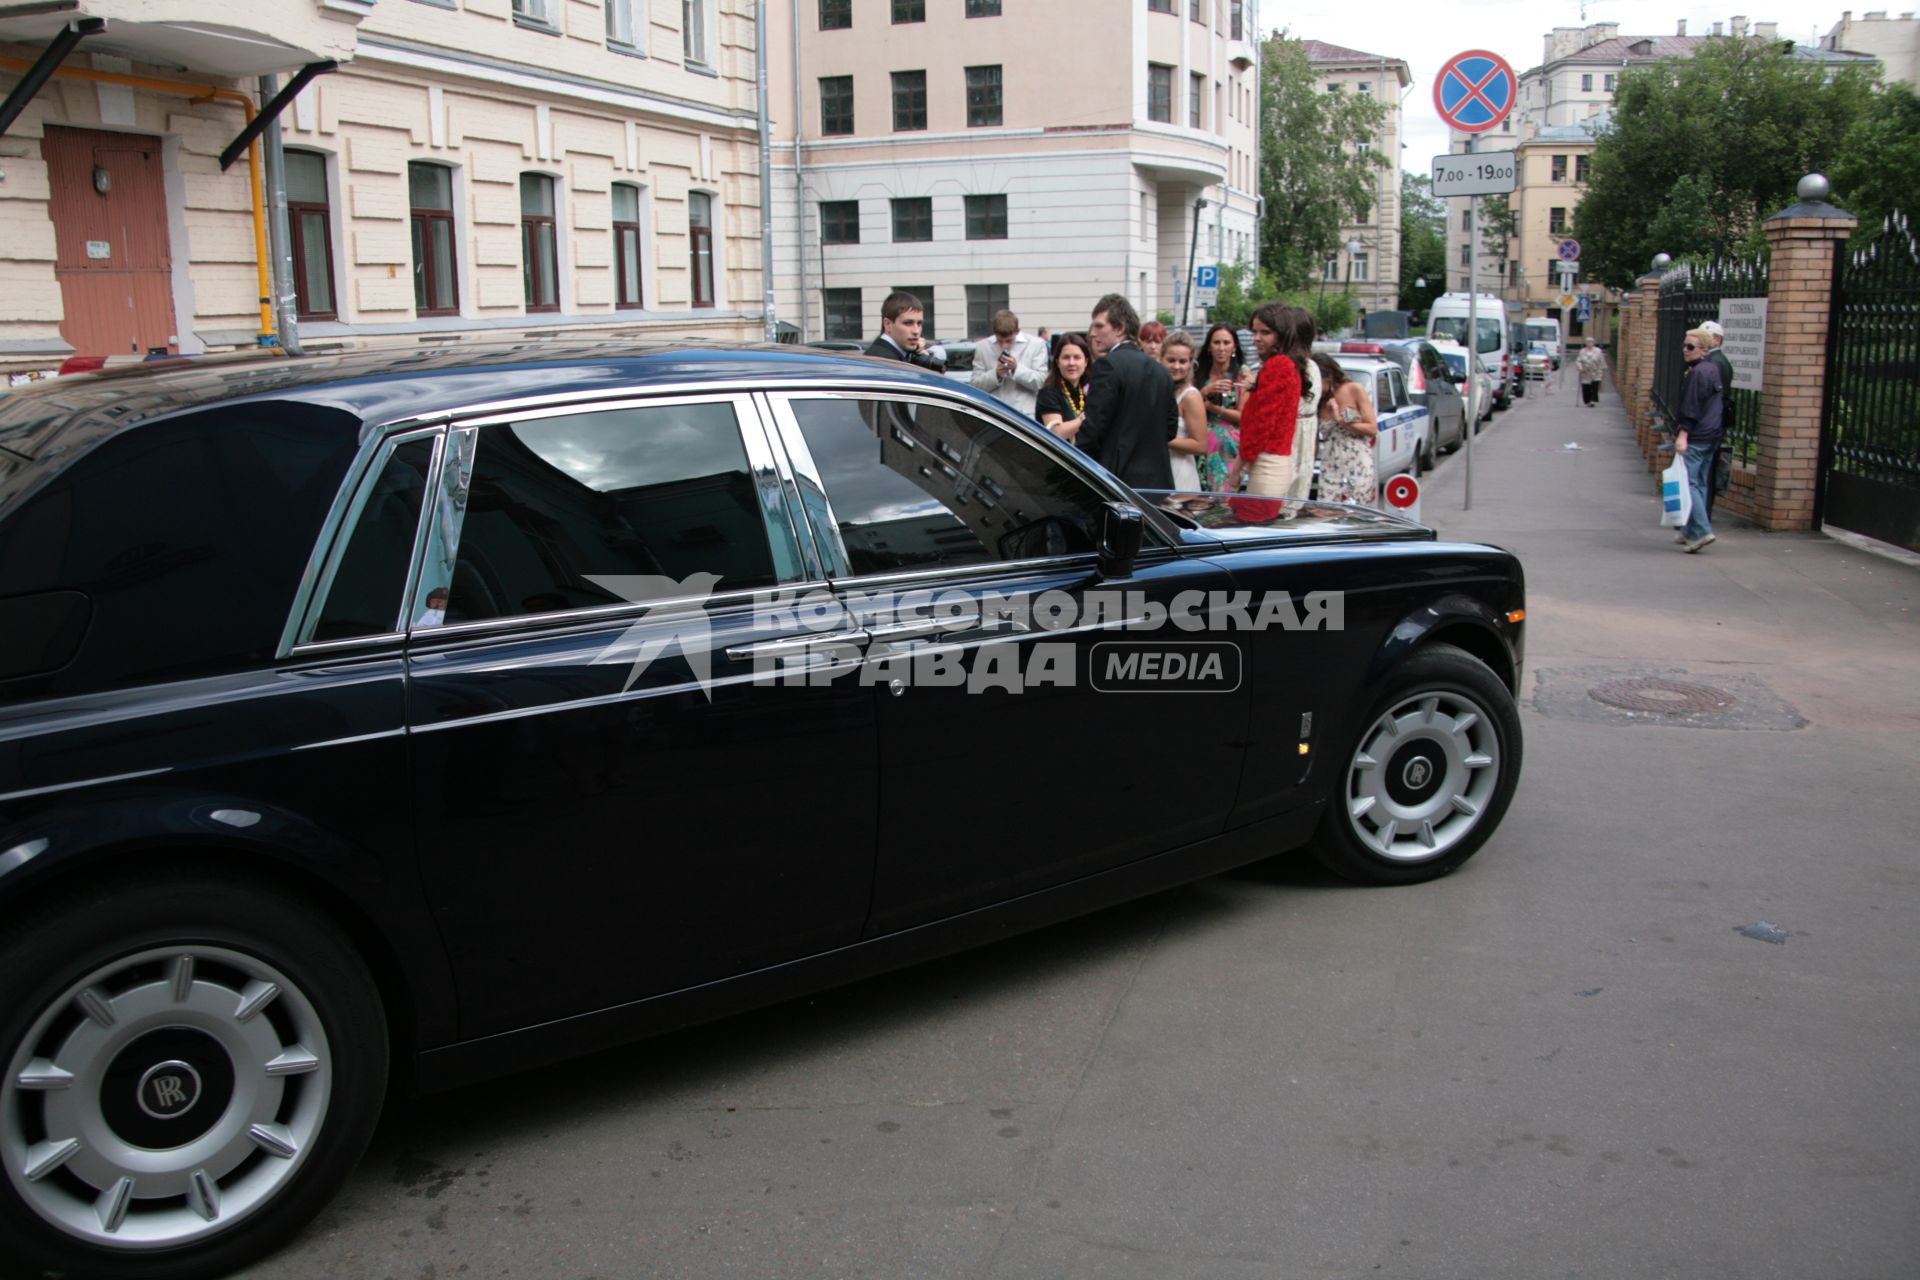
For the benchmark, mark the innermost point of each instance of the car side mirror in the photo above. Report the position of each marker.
(1121, 527)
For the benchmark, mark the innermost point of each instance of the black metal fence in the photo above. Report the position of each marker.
(1689, 294)
(1871, 441)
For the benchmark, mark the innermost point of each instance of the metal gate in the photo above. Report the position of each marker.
(1689, 294)
(109, 207)
(1870, 438)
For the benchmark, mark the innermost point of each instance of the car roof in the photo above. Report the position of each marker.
(396, 384)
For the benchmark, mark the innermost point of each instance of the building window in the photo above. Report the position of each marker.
(1237, 17)
(983, 97)
(1586, 84)
(310, 222)
(836, 15)
(1159, 93)
(620, 23)
(1160, 6)
(1608, 82)
(531, 11)
(1559, 168)
(909, 10)
(1330, 269)
(1466, 255)
(1557, 220)
(1362, 148)
(1335, 87)
(983, 8)
(839, 222)
(700, 246)
(909, 101)
(924, 292)
(1466, 219)
(1582, 167)
(1196, 90)
(983, 301)
(1196, 10)
(539, 247)
(693, 29)
(1513, 273)
(1362, 266)
(986, 217)
(1365, 86)
(436, 290)
(836, 105)
(628, 294)
(843, 313)
(912, 219)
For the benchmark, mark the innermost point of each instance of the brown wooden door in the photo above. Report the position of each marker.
(114, 268)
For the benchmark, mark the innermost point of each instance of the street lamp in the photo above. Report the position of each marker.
(1193, 247)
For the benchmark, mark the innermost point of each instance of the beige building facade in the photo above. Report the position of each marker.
(472, 167)
(1030, 154)
(1374, 268)
(1892, 41)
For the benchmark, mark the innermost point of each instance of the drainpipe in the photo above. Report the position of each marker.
(280, 238)
(766, 169)
(800, 192)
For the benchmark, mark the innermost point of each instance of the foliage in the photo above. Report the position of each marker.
(1499, 228)
(1314, 179)
(1879, 168)
(1423, 243)
(1241, 293)
(1704, 149)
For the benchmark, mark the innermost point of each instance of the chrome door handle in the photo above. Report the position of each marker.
(793, 644)
(923, 627)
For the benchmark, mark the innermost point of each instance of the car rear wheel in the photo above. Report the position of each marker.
(1429, 776)
(192, 1067)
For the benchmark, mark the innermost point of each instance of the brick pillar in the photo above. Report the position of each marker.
(1793, 394)
(1646, 334)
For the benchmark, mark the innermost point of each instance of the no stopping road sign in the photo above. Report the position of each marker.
(1403, 496)
(1475, 90)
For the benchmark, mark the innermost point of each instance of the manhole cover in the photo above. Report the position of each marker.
(1655, 693)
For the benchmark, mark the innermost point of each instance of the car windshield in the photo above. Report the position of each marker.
(1457, 363)
(1543, 333)
(1454, 329)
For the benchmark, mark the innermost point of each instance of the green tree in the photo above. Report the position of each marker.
(1314, 176)
(1703, 150)
(1423, 242)
(1878, 172)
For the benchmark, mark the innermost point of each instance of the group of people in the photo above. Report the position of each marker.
(1700, 425)
(1162, 413)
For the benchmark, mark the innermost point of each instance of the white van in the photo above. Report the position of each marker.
(1543, 329)
(1448, 319)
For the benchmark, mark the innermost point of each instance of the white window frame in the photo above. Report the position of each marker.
(697, 32)
(627, 24)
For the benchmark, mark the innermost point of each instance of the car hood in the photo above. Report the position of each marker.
(1241, 518)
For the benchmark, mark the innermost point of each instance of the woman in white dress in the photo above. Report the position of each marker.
(1192, 441)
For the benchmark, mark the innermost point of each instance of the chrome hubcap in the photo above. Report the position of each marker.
(1424, 773)
(163, 1097)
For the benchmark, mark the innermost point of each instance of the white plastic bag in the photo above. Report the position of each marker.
(1676, 496)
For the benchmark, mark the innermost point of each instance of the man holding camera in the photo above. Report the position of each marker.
(1012, 367)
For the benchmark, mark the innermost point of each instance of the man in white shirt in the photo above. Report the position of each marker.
(1013, 366)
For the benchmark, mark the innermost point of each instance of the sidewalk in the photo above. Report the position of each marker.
(1834, 629)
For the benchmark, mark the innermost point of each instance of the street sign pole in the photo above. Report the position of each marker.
(1473, 328)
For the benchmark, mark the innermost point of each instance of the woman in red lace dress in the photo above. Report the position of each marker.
(1269, 416)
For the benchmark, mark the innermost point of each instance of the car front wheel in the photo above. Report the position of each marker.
(192, 1067)
(1429, 776)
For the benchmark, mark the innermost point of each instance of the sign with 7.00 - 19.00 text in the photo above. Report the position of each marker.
(1488, 173)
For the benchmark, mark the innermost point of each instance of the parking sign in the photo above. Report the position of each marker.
(1206, 285)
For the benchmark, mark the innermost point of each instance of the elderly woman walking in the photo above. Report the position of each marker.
(1593, 368)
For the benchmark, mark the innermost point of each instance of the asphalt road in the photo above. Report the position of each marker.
(1563, 1061)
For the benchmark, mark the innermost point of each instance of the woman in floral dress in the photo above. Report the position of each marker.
(1217, 367)
(1348, 428)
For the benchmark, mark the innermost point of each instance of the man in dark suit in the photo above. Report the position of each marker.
(900, 318)
(1131, 413)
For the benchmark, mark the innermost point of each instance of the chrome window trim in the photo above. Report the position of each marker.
(385, 449)
(588, 619)
(317, 648)
(796, 509)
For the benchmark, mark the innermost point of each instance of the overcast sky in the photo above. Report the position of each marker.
(1426, 34)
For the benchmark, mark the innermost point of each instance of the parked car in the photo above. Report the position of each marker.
(1406, 428)
(1430, 384)
(1455, 357)
(1540, 361)
(1494, 342)
(424, 716)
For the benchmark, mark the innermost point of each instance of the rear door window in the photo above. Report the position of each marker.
(368, 587)
(586, 509)
(924, 486)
